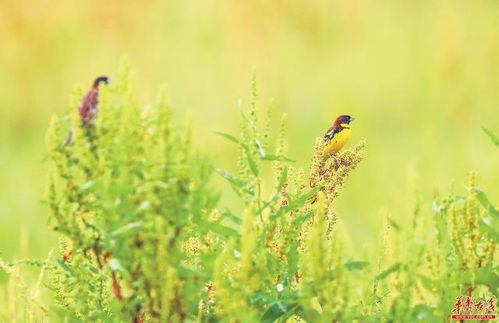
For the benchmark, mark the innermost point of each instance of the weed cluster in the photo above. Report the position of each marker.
(144, 239)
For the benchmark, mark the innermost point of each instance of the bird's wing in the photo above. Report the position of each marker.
(330, 133)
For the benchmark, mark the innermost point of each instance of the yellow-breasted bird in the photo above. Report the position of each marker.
(337, 136)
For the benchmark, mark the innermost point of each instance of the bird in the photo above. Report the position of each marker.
(88, 107)
(337, 135)
(89, 104)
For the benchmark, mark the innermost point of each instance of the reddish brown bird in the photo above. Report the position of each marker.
(90, 102)
(89, 105)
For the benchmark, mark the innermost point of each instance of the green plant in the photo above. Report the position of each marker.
(143, 237)
(140, 237)
(23, 300)
(449, 256)
(287, 247)
(126, 197)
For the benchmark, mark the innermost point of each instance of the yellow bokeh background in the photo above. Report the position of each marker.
(420, 77)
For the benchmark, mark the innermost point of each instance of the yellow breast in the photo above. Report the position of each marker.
(337, 142)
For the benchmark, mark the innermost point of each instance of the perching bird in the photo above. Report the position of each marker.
(337, 136)
(90, 102)
(89, 105)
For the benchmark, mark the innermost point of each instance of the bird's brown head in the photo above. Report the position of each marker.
(343, 119)
(98, 81)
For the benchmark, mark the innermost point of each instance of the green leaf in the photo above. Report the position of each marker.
(87, 185)
(356, 266)
(387, 272)
(490, 226)
(282, 180)
(188, 273)
(394, 224)
(302, 218)
(280, 185)
(65, 267)
(292, 256)
(484, 200)
(266, 204)
(276, 310)
(491, 135)
(296, 203)
(489, 277)
(218, 228)
(259, 298)
(260, 149)
(126, 228)
(90, 268)
(235, 181)
(252, 164)
(424, 313)
(232, 138)
(278, 158)
(427, 282)
(227, 214)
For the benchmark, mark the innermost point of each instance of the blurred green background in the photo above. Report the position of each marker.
(420, 77)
